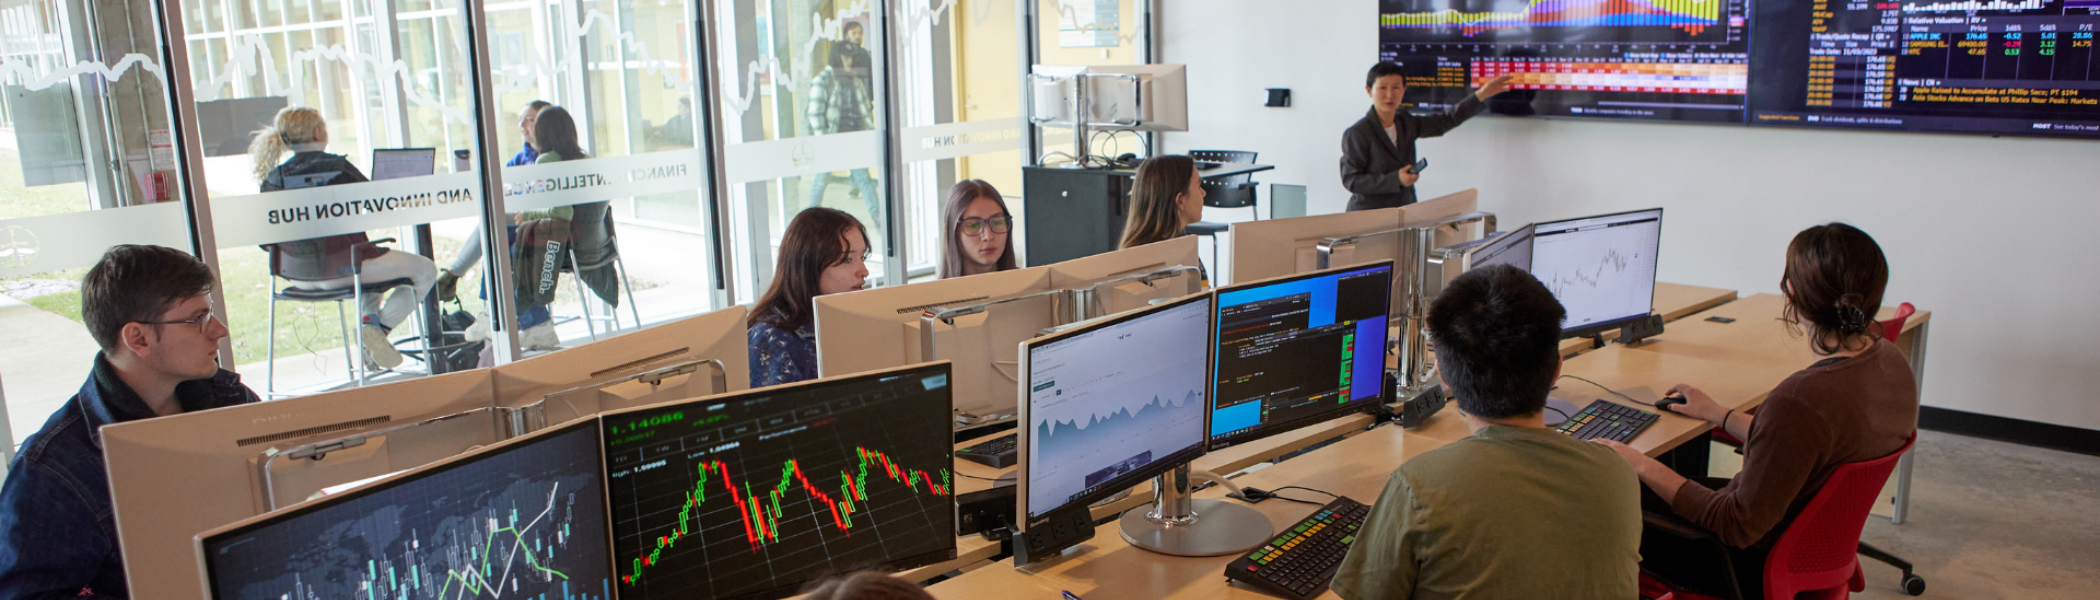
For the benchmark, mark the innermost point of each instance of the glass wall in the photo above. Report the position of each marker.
(86, 162)
(364, 186)
(379, 176)
(1092, 32)
(623, 73)
(802, 116)
(958, 77)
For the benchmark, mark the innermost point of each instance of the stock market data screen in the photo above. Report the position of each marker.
(1668, 60)
(2022, 67)
(754, 495)
(1293, 352)
(525, 520)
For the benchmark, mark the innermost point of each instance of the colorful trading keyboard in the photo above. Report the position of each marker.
(1607, 421)
(1300, 562)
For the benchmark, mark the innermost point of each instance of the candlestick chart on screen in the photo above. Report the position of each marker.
(751, 497)
(522, 521)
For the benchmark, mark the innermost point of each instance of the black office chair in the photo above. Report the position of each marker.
(295, 266)
(1236, 191)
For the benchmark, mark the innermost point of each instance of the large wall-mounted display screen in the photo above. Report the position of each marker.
(2000, 67)
(1676, 60)
(2012, 67)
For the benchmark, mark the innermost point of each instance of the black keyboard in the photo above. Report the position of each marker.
(1607, 421)
(997, 453)
(1301, 561)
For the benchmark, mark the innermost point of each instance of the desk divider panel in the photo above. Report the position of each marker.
(177, 476)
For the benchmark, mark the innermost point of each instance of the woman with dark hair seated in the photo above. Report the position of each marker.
(825, 251)
(1859, 402)
(979, 231)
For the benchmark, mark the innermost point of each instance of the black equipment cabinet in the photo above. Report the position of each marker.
(1076, 213)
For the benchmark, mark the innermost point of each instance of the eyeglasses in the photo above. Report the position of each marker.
(975, 226)
(203, 322)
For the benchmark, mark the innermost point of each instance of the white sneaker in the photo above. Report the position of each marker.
(379, 351)
(539, 337)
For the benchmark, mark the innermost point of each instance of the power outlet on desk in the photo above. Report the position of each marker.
(1409, 412)
(989, 512)
(1639, 331)
(1047, 540)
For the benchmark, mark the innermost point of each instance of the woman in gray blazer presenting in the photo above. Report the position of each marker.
(1378, 152)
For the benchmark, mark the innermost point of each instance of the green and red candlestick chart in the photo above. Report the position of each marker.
(761, 512)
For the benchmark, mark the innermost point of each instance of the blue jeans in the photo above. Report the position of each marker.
(868, 194)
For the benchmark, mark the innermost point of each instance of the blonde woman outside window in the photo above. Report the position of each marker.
(327, 263)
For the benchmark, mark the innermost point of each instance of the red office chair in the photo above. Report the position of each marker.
(1817, 556)
(1890, 330)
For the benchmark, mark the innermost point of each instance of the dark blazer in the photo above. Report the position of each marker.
(1371, 162)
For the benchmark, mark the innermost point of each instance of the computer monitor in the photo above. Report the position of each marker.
(1157, 100)
(525, 518)
(752, 495)
(1111, 404)
(1279, 247)
(1295, 351)
(1601, 268)
(176, 476)
(397, 163)
(1139, 97)
(1511, 248)
(884, 328)
(1118, 281)
(718, 336)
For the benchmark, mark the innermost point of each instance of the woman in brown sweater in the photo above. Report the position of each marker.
(1858, 402)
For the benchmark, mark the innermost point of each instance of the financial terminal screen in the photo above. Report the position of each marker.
(1602, 269)
(1682, 60)
(525, 520)
(1115, 403)
(756, 494)
(1294, 351)
(2015, 67)
(1997, 67)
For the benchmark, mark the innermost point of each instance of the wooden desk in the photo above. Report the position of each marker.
(976, 477)
(1673, 301)
(1737, 363)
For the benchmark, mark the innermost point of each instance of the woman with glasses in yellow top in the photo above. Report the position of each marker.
(979, 229)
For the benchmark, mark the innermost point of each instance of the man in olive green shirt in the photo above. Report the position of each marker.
(1516, 510)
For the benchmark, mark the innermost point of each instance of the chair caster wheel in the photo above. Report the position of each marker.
(1914, 585)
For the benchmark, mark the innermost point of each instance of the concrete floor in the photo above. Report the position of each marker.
(1994, 520)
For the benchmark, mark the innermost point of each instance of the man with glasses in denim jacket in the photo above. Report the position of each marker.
(146, 306)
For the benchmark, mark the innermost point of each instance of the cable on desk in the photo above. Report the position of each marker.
(975, 477)
(1276, 496)
(1563, 414)
(1600, 385)
(1293, 487)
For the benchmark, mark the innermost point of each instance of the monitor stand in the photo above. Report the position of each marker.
(1178, 525)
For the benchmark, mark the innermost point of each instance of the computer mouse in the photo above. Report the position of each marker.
(1666, 401)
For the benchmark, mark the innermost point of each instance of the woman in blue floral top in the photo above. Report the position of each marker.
(825, 251)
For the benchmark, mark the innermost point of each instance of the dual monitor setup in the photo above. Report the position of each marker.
(756, 493)
(1601, 268)
(744, 495)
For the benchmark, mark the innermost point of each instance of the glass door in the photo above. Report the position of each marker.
(958, 82)
(339, 161)
(628, 177)
(87, 161)
(802, 106)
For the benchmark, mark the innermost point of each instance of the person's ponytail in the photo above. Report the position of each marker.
(293, 126)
